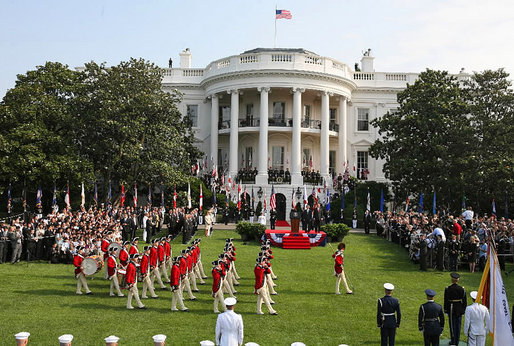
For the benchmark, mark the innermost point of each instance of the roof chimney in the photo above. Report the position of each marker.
(367, 61)
(185, 59)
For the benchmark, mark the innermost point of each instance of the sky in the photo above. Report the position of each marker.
(405, 36)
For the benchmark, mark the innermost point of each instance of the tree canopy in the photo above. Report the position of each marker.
(451, 137)
(96, 124)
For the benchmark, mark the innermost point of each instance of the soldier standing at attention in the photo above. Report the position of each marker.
(272, 218)
(455, 305)
(388, 316)
(431, 320)
(339, 268)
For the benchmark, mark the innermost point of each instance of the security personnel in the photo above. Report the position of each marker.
(388, 316)
(475, 322)
(431, 319)
(338, 257)
(112, 270)
(81, 279)
(455, 305)
(131, 279)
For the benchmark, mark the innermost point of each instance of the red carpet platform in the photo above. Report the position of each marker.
(282, 223)
(296, 240)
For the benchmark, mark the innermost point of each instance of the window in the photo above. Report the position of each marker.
(306, 159)
(279, 109)
(192, 114)
(332, 161)
(277, 158)
(362, 165)
(248, 157)
(306, 113)
(333, 115)
(249, 115)
(362, 119)
(224, 117)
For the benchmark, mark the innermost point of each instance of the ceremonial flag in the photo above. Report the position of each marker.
(434, 205)
(328, 200)
(305, 201)
(122, 199)
(381, 200)
(149, 195)
(420, 207)
(95, 194)
(407, 204)
(229, 182)
(265, 207)
(39, 195)
(292, 200)
(175, 197)
(342, 200)
(82, 196)
(283, 14)
(213, 194)
(201, 197)
(162, 195)
(494, 207)
(492, 294)
(109, 194)
(54, 198)
(239, 197)
(253, 200)
(273, 201)
(189, 206)
(368, 203)
(135, 196)
(9, 199)
(67, 196)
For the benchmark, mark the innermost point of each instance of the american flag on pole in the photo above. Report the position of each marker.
(201, 197)
(67, 196)
(134, 199)
(122, 198)
(265, 207)
(272, 200)
(283, 14)
(82, 196)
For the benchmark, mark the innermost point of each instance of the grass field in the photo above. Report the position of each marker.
(40, 298)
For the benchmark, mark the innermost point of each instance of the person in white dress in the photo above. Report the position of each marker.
(229, 326)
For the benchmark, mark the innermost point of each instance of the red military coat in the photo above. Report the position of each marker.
(143, 265)
(133, 250)
(260, 276)
(167, 249)
(153, 257)
(124, 256)
(77, 262)
(338, 262)
(105, 248)
(175, 275)
(216, 280)
(111, 265)
(183, 266)
(160, 252)
(130, 277)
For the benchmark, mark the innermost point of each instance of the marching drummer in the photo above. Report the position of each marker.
(81, 278)
(106, 241)
(133, 247)
(124, 255)
(112, 269)
(131, 280)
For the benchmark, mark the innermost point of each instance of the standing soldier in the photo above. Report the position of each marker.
(112, 269)
(144, 269)
(217, 292)
(133, 247)
(106, 241)
(455, 305)
(124, 255)
(161, 251)
(176, 286)
(131, 279)
(77, 262)
(260, 272)
(475, 322)
(154, 265)
(431, 320)
(272, 218)
(339, 268)
(388, 316)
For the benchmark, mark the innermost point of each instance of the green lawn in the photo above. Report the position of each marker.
(40, 298)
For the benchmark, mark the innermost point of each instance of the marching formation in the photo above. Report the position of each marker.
(264, 276)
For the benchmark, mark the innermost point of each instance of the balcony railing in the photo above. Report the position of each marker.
(282, 122)
(279, 122)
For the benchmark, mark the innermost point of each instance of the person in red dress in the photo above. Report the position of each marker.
(144, 269)
(112, 270)
(131, 279)
(338, 257)
(77, 262)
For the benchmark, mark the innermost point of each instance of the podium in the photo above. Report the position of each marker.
(295, 220)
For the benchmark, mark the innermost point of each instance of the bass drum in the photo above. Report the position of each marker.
(92, 265)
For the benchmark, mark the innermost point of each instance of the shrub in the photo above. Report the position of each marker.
(249, 230)
(335, 231)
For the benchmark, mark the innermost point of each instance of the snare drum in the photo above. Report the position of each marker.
(122, 281)
(92, 265)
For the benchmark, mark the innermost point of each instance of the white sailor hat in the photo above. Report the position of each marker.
(388, 286)
(159, 338)
(111, 338)
(473, 294)
(22, 335)
(230, 301)
(207, 343)
(251, 344)
(66, 338)
(298, 343)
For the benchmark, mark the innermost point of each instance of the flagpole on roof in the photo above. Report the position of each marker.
(275, 44)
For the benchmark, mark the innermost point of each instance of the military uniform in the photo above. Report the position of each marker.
(112, 270)
(217, 292)
(339, 271)
(144, 269)
(388, 316)
(455, 306)
(175, 283)
(131, 279)
(431, 320)
(260, 272)
(81, 279)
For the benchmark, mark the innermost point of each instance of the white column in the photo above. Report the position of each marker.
(214, 128)
(342, 134)
(262, 175)
(296, 157)
(324, 142)
(234, 128)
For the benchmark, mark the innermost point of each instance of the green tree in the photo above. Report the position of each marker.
(37, 142)
(425, 142)
(129, 128)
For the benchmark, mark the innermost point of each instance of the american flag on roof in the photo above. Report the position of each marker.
(283, 14)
